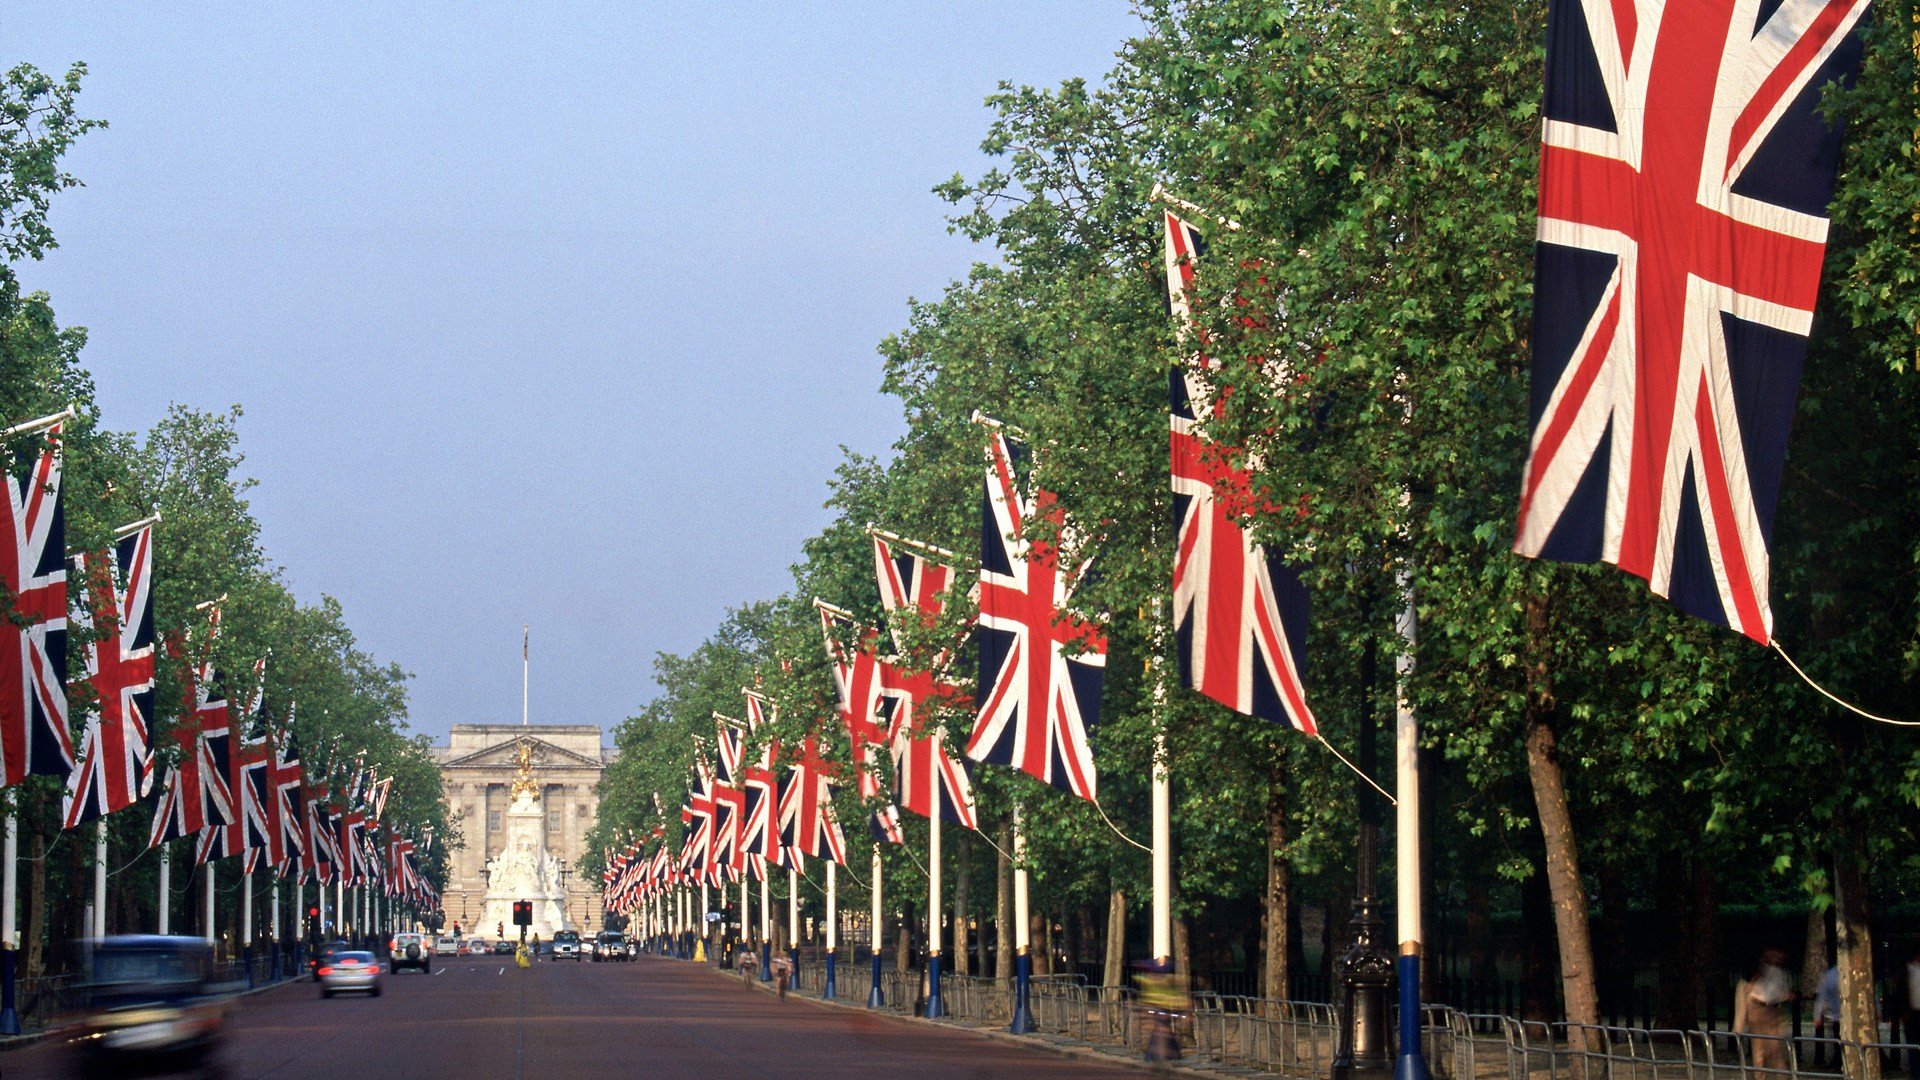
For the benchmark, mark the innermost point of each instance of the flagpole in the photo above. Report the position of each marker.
(526, 641)
(9, 926)
(212, 868)
(100, 878)
(1022, 957)
(766, 924)
(1412, 1063)
(166, 886)
(700, 946)
(827, 989)
(935, 1007)
(746, 910)
(246, 917)
(793, 920)
(875, 999)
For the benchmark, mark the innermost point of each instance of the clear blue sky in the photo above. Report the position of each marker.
(540, 313)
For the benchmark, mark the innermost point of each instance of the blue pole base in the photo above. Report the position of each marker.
(9, 1022)
(1022, 981)
(827, 989)
(246, 961)
(875, 999)
(766, 961)
(1411, 1064)
(10, 1019)
(936, 1008)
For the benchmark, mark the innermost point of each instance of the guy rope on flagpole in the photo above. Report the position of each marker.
(1371, 782)
(1828, 694)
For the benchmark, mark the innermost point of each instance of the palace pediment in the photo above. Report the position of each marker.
(504, 756)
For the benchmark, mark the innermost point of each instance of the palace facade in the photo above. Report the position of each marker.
(477, 769)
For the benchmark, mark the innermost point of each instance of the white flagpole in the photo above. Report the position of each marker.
(833, 921)
(9, 911)
(246, 905)
(874, 998)
(793, 908)
(766, 924)
(526, 642)
(1022, 943)
(1411, 1064)
(212, 868)
(746, 912)
(166, 886)
(935, 1007)
(100, 878)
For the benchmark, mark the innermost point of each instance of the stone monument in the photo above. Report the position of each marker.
(525, 869)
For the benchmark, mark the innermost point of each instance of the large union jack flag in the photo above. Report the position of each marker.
(33, 657)
(759, 831)
(697, 814)
(856, 681)
(1239, 614)
(116, 750)
(1684, 178)
(729, 796)
(1040, 665)
(913, 583)
(807, 824)
(195, 792)
(287, 778)
(924, 772)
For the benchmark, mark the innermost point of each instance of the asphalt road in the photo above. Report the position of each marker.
(483, 1017)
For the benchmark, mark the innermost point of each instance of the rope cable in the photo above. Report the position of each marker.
(1849, 706)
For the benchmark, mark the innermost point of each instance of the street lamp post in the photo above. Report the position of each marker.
(1364, 970)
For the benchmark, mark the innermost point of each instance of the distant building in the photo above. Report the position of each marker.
(477, 769)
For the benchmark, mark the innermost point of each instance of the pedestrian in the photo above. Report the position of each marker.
(1826, 1014)
(1760, 1010)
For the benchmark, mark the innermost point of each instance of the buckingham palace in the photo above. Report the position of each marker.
(478, 767)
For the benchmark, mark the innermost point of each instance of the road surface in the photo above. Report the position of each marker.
(482, 1017)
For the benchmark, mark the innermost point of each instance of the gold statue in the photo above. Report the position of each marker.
(523, 780)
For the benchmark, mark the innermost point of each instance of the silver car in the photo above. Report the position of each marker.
(350, 971)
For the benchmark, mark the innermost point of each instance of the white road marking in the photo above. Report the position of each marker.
(503, 971)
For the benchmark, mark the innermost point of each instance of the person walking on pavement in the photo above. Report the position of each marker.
(1826, 1014)
(1761, 1010)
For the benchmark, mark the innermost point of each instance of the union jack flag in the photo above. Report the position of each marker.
(759, 834)
(116, 750)
(698, 814)
(195, 792)
(33, 660)
(321, 855)
(729, 798)
(886, 826)
(288, 780)
(911, 582)
(856, 680)
(1684, 178)
(807, 824)
(1239, 614)
(1038, 704)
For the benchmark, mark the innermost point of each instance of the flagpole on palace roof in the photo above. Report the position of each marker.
(526, 640)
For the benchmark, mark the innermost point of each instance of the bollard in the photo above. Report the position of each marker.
(935, 1007)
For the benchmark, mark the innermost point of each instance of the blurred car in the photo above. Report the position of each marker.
(410, 951)
(633, 948)
(566, 945)
(503, 947)
(326, 951)
(465, 948)
(350, 971)
(447, 945)
(147, 1007)
(610, 945)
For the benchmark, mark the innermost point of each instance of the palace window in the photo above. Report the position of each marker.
(493, 821)
(553, 821)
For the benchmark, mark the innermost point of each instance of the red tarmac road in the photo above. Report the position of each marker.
(482, 1018)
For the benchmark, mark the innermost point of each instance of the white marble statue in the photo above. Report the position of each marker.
(525, 869)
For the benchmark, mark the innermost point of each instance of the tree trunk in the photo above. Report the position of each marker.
(1556, 825)
(1115, 968)
(36, 898)
(1859, 1012)
(961, 887)
(1275, 951)
(1813, 958)
(1182, 948)
(903, 950)
(1040, 944)
(1708, 973)
(1003, 911)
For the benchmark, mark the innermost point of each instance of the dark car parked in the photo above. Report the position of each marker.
(148, 1008)
(503, 947)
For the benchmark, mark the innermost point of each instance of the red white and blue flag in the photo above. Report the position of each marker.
(807, 824)
(886, 826)
(33, 644)
(856, 681)
(1239, 613)
(913, 583)
(1685, 172)
(195, 792)
(759, 832)
(729, 796)
(116, 750)
(1040, 664)
(698, 814)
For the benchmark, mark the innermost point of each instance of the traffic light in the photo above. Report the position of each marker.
(500, 929)
(456, 928)
(523, 913)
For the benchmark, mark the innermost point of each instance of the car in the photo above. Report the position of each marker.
(566, 945)
(446, 945)
(147, 1004)
(409, 950)
(466, 947)
(324, 952)
(350, 971)
(611, 945)
(503, 947)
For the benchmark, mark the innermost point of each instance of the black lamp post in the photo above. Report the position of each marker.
(1364, 970)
